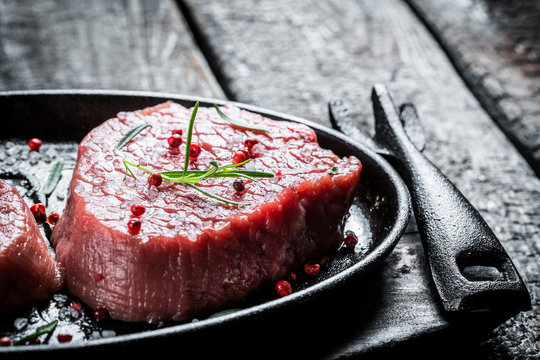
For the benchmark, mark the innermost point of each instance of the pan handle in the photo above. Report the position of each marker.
(470, 268)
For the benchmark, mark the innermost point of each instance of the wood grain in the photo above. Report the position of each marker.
(294, 57)
(133, 45)
(496, 46)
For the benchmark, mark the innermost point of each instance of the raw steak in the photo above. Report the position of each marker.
(195, 254)
(28, 272)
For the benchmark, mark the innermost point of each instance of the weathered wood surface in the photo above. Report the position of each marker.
(294, 57)
(136, 45)
(496, 46)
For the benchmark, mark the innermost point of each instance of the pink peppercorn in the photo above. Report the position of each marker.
(35, 341)
(100, 313)
(138, 209)
(134, 226)
(312, 270)
(293, 276)
(238, 185)
(53, 218)
(249, 143)
(350, 239)
(77, 307)
(240, 156)
(283, 288)
(38, 210)
(194, 151)
(175, 140)
(155, 179)
(64, 338)
(34, 144)
(6, 341)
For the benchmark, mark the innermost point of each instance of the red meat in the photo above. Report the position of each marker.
(28, 270)
(195, 254)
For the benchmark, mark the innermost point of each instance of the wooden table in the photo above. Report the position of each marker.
(471, 68)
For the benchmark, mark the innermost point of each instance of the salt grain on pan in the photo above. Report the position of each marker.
(73, 313)
(60, 298)
(64, 314)
(20, 323)
(11, 161)
(108, 333)
(34, 158)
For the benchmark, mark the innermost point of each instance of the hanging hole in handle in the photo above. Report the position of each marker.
(483, 267)
(482, 273)
(493, 283)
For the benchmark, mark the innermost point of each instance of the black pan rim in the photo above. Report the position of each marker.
(372, 259)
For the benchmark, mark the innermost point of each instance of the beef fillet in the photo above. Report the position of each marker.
(195, 254)
(28, 272)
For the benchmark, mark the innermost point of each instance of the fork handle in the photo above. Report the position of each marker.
(470, 268)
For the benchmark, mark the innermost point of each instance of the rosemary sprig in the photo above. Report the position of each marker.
(220, 171)
(239, 123)
(54, 177)
(131, 134)
(196, 176)
(193, 177)
(44, 329)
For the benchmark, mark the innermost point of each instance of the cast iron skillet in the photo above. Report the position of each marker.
(61, 118)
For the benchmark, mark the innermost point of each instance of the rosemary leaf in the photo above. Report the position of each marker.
(128, 170)
(54, 177)
(233, 173)
(213, 196)
(234, 165)
(189, 135)
(239, 123)
(243, 176)
(218, 174)
(45, 329)
(224, 312)
(131, 134)
(209, 172)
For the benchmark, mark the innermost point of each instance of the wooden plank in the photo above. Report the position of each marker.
(295, 56)
(134, 45)
(496, 46)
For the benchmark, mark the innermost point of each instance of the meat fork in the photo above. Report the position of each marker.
(470, 268)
